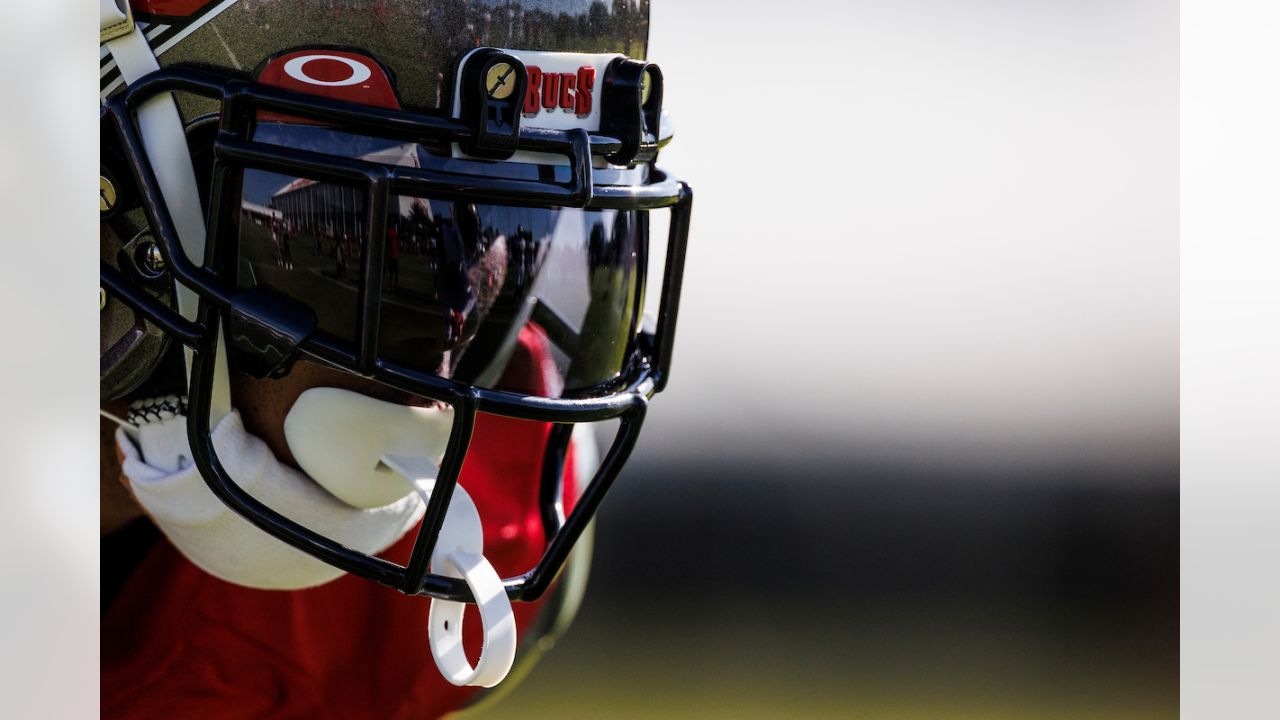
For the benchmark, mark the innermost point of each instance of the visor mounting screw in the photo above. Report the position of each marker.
(500, 81)
(102, 299)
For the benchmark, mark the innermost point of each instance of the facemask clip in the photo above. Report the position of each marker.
(265, 329)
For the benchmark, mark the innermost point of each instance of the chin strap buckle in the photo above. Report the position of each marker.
(459, 553)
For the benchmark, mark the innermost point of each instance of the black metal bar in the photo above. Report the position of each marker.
(180, 79)
(404, 180)
(246, 96)
(325, 348)
(561, 410)
(235, 118)
(664, 193)
(157, 211)
(677, 240)
(464, 421)
(580, 157)
(240, 97)
(551, 489)
(641, 343)
(295, 162)
(537, 581)
(382, 122)
(221, 252)
(372, 268)
(191, 334)
(477, 188)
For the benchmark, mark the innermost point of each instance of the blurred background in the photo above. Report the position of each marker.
(919, 455)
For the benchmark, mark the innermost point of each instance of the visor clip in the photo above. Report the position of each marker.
(631, 109)
(492, 88)
(264, 330)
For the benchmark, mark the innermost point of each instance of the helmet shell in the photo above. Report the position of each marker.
(418, 40)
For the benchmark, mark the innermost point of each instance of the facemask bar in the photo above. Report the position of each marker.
(215, 283)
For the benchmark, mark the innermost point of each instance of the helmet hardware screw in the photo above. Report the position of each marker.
(106, 195)
(152, 260)
(102, 299)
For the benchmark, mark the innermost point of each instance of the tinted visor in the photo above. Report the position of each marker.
(461, 280)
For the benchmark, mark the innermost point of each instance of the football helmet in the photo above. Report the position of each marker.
(410, 192)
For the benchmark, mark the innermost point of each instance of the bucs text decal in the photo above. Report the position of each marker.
(571, 92)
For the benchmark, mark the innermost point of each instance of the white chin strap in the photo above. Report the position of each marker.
(369, 453)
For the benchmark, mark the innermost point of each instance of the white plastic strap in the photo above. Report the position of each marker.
(459, 553)
(115, 19)
(165, 141)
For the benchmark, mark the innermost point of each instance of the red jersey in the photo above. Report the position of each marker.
(179, 643)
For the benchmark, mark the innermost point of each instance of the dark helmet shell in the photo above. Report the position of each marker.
(419, 40)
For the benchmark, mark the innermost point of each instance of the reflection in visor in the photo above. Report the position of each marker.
(461, 280)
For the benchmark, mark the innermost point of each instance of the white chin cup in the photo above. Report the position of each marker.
(459, 553)
(339, 437)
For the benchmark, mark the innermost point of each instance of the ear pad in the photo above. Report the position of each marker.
(339, 437)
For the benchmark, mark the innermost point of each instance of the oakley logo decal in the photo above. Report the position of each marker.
(570, 92)
(327, 74)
